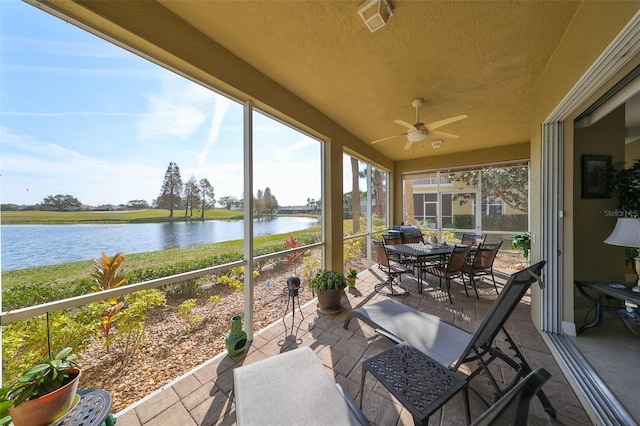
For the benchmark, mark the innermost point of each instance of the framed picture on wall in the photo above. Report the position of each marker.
(596, 174)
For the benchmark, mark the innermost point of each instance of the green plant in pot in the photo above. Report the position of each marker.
(522, 240)
(329, 285)
(43, 393)
(352, 274)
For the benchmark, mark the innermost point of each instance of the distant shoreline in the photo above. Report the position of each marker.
(35, 217)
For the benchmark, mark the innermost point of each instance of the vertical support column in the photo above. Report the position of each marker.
(248, 219)
(551, 235)
(333, 208)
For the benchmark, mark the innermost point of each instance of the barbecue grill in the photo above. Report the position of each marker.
(408, 233)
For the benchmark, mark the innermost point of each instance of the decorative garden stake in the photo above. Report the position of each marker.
(237, 338)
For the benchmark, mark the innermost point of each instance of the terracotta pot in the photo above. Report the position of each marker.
(330, 300)
(48, 408)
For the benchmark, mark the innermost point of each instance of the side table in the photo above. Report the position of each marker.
(419, 383)
(94, 408)
(605, 293)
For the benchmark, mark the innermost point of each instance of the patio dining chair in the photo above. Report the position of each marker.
(451, 268)
(452, 346)
(482, 264)
(393, 269)
(392, 239)
(472, 239)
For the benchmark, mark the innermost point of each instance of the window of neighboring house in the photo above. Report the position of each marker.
(493, 206)
(453, 197)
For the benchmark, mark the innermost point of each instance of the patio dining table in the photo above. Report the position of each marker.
(421, 255)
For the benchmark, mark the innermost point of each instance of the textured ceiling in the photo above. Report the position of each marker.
(482, 59)
(477, 58)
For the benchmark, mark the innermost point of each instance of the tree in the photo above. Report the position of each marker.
(270, 202)
(259, 204)
(228, 201)
(191, 195)
(409, 206)
(171, 188)
(314, 204)
(355, 194)
(510, 184)
(137, 204)
(60, 203)
(379, 193)
(206, 191)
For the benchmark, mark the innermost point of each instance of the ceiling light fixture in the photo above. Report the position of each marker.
(436, 144)
(375, 13)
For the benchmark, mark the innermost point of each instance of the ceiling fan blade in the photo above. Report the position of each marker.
(437, 124)
(443, 135)
(387, 138)
(408, 144)
(405, 124)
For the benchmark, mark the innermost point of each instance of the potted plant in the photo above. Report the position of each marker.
(522, 240)
(625, 185)
(329, 285)
(43, 393)
(351, 277)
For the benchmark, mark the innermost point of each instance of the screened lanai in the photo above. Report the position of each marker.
(517, 70)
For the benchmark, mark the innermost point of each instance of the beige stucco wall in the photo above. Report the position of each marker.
(632, 152)
(595, 26)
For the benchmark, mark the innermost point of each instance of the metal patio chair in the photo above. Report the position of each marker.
(451, 345)
(451, 269)
(472, 239)
(393, 269)
(482, 264)
(513, 407)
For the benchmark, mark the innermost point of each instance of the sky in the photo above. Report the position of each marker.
(81, 116)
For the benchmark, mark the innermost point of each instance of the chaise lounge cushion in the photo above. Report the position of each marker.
(427, 333)
(292, 388)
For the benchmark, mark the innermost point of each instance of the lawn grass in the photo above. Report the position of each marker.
(129, 216)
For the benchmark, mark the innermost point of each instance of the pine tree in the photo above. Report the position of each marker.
(206, 191)
(170, 194)
(191, 195)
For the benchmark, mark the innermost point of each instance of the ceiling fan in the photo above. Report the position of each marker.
(419, 131)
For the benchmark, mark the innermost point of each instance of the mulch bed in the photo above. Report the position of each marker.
(173, 346)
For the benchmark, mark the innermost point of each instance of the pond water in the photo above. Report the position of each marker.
(26, 246)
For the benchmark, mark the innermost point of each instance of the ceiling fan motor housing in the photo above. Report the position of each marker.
(417, 135)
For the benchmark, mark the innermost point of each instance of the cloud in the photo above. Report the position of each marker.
(33, 169)
(177, 111)
(67, 114)
(220, 109)
(296, 147)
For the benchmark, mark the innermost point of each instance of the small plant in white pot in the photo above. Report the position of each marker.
(43, 393)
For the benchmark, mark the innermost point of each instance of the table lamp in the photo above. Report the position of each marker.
(627, 234)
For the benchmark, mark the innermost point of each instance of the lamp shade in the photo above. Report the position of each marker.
(626, 233)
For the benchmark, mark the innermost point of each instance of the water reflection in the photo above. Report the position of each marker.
(25, 246)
